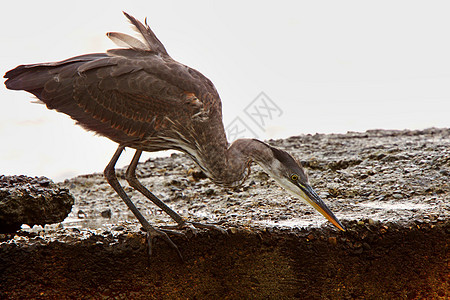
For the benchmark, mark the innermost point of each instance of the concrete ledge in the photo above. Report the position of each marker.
(378, 261)
(391, 189)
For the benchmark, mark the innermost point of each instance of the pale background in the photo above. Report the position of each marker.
(330, 66)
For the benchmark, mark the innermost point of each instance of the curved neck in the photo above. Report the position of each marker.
(233, 167)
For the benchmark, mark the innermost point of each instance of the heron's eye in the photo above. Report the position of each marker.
(294, 177)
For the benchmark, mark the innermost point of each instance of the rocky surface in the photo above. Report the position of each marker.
(31, 201)
(389, 188)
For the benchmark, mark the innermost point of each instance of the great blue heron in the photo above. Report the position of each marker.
(141, 98)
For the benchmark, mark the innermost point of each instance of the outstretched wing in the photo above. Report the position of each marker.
(124, 94)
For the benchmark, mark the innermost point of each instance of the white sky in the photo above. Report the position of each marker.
(330, 66)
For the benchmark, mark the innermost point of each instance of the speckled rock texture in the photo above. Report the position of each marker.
(31, 201)
(389, 188)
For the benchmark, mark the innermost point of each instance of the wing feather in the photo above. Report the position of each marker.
(124, 94)
(149, 36)
(125, 40)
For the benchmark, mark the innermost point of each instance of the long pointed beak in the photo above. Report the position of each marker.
(315, 201)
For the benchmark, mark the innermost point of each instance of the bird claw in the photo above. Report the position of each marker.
(209, 226)
(152, 233)
(193, 226)
(172, 232)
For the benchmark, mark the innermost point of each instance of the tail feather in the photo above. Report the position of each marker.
(149, 36)
(22, 78)
(33, 78)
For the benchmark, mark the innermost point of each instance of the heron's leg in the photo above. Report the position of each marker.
(152, 232)
(134, 182)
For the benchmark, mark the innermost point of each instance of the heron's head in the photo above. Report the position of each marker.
(289, 173)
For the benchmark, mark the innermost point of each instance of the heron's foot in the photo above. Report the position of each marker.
(192, 226)
(209, 226)
(152, 233)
